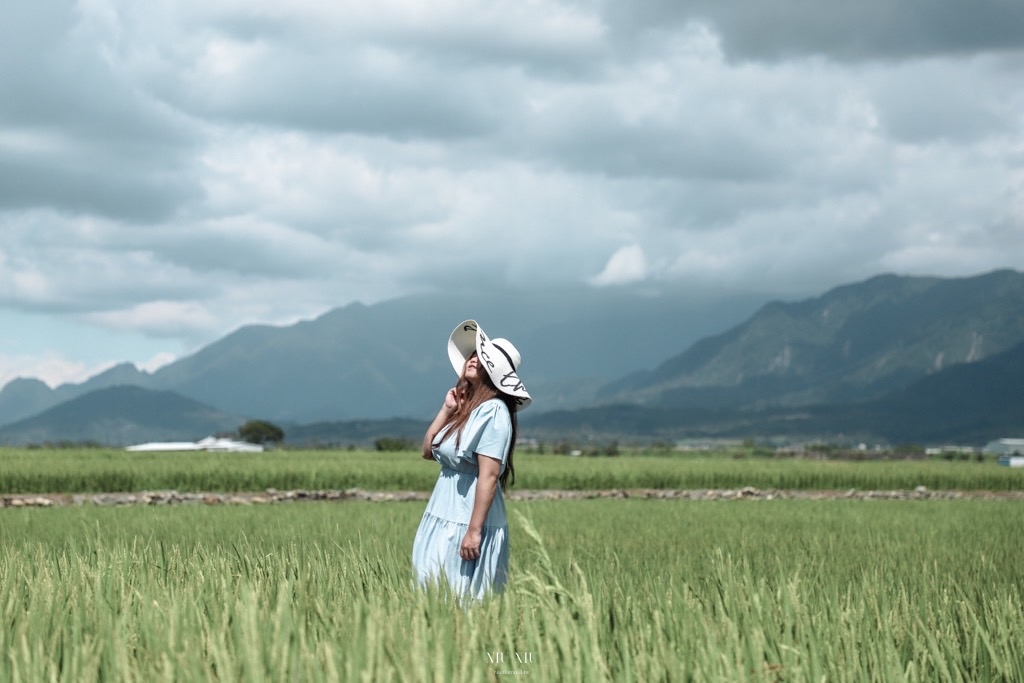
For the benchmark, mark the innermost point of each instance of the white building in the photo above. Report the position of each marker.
(1010, 451)
(1005, 447)
(960, 450)
(210, 444)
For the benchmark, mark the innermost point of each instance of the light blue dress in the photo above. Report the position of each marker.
(435, 551)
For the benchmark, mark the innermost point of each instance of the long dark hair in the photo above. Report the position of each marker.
(470, 397)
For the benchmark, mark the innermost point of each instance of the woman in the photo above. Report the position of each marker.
(463, 536)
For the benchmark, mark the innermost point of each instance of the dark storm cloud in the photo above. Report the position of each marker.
(330, 95)
(78, 136)
(193, 165)
(375, 73)
(648, 150)
(944, 100)
(50, 265)
(572, 46)
(847, 31)
(245, 250)
(92, 185)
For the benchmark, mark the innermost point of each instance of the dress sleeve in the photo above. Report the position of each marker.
(490, 433)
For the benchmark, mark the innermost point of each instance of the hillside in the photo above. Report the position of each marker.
(120, 416)
(388, 360)
(22, 398)
(854, 343)
(971, 403)
(968, 403)
(841, 363)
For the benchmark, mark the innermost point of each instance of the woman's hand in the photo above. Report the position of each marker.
(451, 402)
(486, 486)
(470, 548)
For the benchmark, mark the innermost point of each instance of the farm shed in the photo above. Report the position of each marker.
(1005, 447)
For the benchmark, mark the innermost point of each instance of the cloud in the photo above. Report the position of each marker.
(52, 261)
(863, 31)
(159, 318)
(387, 69)
(76, 134)
(51, 367)
(157, 361)
(174, 170)
(627, 265)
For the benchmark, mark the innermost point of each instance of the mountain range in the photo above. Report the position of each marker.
(968, 403)
(390, 359)
(856, 342)
(122, 415)
(894, 357)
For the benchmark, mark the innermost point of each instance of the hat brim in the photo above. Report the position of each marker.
(468, 338)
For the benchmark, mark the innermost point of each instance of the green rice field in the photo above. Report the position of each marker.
(106, 470)
(600, 589)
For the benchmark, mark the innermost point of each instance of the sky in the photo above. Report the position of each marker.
(173, 169)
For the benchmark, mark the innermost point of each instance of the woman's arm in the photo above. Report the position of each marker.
(486, 486)
(450, 403)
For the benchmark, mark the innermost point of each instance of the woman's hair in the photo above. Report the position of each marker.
(470, 397)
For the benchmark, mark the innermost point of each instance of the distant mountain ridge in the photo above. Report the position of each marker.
(853, 343)
(389, 359)
(121, 415)
(25, 397)
(968, 403)
(853, 360)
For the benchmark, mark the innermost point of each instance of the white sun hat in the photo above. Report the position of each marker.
(497, 357)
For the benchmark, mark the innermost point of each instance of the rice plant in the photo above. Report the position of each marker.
(108, 470)
(623, 590)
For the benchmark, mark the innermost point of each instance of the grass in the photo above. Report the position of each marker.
(624, 590)
(109, 470)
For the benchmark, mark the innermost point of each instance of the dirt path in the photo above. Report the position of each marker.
(273, 496)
